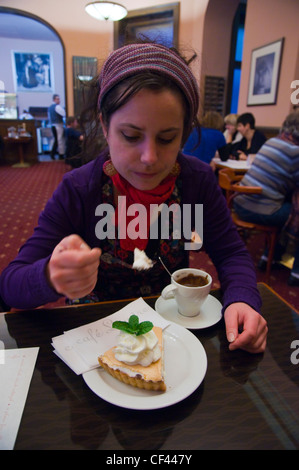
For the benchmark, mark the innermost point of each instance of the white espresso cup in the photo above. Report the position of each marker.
(189, 299)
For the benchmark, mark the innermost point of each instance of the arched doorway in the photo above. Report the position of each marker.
(26, 37)
(220, 64)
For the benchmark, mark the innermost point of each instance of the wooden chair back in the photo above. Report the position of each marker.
(229, 181)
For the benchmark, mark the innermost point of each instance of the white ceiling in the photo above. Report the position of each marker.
(22, 27)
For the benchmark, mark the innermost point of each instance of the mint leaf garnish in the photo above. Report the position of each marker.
(144, 327)
(133, 326)
(123, 326)
(133, 322)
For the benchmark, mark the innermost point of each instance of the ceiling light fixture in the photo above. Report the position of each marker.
(102, 10)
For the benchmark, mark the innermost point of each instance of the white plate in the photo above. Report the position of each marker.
(210, 313)
(185, 364)
(235, 164)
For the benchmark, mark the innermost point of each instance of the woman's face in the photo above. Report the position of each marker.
(243, 129)
(230, 127)
(145, 135)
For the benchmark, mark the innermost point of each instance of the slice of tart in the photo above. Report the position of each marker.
(149, 377)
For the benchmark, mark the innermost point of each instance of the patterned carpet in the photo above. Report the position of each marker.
(25, 191)
(23, 194)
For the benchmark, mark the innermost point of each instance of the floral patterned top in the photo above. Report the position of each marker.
(116, 263)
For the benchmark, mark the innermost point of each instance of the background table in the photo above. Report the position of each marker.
(19, 142)
(240, 166)
(245, 401)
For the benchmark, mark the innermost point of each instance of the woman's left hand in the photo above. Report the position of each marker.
(242, 156)
(240, 316)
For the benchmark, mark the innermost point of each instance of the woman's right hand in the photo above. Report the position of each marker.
(73, 267)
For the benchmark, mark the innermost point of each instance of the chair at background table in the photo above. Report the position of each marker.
(229, 182)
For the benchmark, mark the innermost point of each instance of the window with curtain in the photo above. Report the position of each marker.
(236, 54)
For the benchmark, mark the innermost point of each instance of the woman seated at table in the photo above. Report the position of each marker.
(206, 142)
(146, 99)
(231, 134)
(276, 170)
(252, 138)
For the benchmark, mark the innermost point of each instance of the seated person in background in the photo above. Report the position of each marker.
(205, 143)
(275, 169)
(252, 139)
(231, 134)
(26, 115)
(73, 141)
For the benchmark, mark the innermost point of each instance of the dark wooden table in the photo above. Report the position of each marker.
(244, 402)
(19, 142)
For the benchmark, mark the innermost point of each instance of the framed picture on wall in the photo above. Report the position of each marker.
(159, 23)
(33, 71)
(264, 74)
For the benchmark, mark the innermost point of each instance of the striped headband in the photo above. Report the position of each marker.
(134, 58)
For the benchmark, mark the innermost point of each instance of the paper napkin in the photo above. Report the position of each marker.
(79, 348)
(16, 370)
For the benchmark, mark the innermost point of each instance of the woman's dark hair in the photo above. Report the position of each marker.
(247, 118)
(93, 141)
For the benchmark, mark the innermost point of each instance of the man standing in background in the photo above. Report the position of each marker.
(56, 115)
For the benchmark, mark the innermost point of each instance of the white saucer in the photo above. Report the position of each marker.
(210, 313)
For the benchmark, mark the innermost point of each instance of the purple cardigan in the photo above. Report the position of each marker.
(71, 209)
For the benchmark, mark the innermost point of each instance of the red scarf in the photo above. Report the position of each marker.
(133, 196)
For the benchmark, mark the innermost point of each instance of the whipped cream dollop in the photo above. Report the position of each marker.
(143, 349)
(141, 260)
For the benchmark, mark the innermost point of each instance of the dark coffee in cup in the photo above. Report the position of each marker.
(193, 280)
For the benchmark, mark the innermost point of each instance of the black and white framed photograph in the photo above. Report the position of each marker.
(264, 73)
(33, 71)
